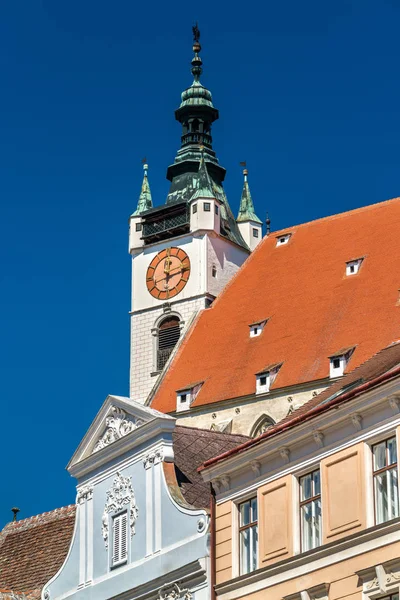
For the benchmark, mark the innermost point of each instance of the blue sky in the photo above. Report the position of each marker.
(308, 94)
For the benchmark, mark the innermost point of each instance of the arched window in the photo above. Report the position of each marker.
(169, 331)
(261, 425)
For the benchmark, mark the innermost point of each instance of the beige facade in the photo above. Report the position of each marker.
(342, 540)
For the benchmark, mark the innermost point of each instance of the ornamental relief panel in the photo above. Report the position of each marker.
(174, 592)
(120, 496)
(118, 425)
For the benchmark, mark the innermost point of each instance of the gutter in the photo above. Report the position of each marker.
(213, 544)
(304, 417)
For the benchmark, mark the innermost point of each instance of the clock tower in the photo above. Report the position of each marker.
(185, 251)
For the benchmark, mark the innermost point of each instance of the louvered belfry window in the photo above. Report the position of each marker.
(120, 539)
(168, 335)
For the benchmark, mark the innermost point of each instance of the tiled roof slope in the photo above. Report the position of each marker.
(381, 367)
(33, 550)
(192, 447)
(313, 309)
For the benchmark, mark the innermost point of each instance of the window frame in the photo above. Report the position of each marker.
(112, 518)
(374, 473)
(309, 500)
(250, 526)
(207, 206)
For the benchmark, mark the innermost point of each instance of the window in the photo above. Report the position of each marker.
(207, 206)
(169, 332)
(339, 361)
(266, 378)
(257, 328)
(386, 490)
(353, 266)
(248, 536)
(138, 227)
(184, 398)
(310, 510)
(390, 597)
(262, 425)
(214, 271)
(194, 209)
(283, 239)
(255, 232)
(216, 209)
(120, 539)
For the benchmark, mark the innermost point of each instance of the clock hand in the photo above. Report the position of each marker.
(182, 267)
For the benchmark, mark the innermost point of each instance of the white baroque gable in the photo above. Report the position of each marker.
(118, 424)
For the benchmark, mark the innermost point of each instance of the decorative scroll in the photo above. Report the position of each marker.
(121, 495)
(118, 425)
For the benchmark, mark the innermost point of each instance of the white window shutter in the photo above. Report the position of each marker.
(120, 539)
(116, 540)
(124, 537)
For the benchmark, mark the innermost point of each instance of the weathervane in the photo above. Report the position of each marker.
(196, 33)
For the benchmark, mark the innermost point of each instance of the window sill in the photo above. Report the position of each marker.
(154, 373)
(327, 554)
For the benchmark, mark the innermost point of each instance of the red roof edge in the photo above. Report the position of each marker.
(303, 417)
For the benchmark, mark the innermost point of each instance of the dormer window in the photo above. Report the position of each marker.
(283, 239)
(256, 329)
(266, 378)
(339, 361)
(353, 266)
(184, 398)
(207, 206)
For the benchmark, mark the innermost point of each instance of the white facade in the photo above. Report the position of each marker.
(213, 262)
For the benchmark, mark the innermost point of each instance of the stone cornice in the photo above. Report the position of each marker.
(314, 430)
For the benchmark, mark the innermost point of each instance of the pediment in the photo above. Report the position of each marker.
(119, 418)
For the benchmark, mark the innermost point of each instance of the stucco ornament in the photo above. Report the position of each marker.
(118, 425)
(84, 493)
(174, 592)
(120, 496)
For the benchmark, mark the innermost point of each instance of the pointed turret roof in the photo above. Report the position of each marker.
(205, 188)
(246, 210)
(145, 201)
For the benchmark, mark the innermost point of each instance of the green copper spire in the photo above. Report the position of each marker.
(205, 188)
(246, 210)
(144, 202)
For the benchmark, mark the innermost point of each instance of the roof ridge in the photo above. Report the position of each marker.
(336, 215)
(13, 525)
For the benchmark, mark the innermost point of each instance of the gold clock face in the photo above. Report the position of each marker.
(168, 273)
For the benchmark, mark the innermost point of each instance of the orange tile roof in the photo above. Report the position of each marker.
(313, 308)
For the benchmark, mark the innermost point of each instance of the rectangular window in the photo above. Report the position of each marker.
(194, 209)
(390, 597)
(386, 489)
(310, 510)
(120, 539)
(255, 232)
(216, 209)
(138, 227)
(207, 206)
(248, 536)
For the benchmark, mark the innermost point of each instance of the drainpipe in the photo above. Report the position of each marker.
(212, 543)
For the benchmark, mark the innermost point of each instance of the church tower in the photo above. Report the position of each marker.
(185, 251)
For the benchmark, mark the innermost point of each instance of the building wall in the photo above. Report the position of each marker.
(354, 546)
(245, 414)
(204, 251)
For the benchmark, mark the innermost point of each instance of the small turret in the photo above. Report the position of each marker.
(135, 221)
(205, 208)
(250, 226)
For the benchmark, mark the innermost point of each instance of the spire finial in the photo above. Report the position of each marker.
(268, 224)
(15, 510)
(246, 209)
(145, 201)
(196, 60)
